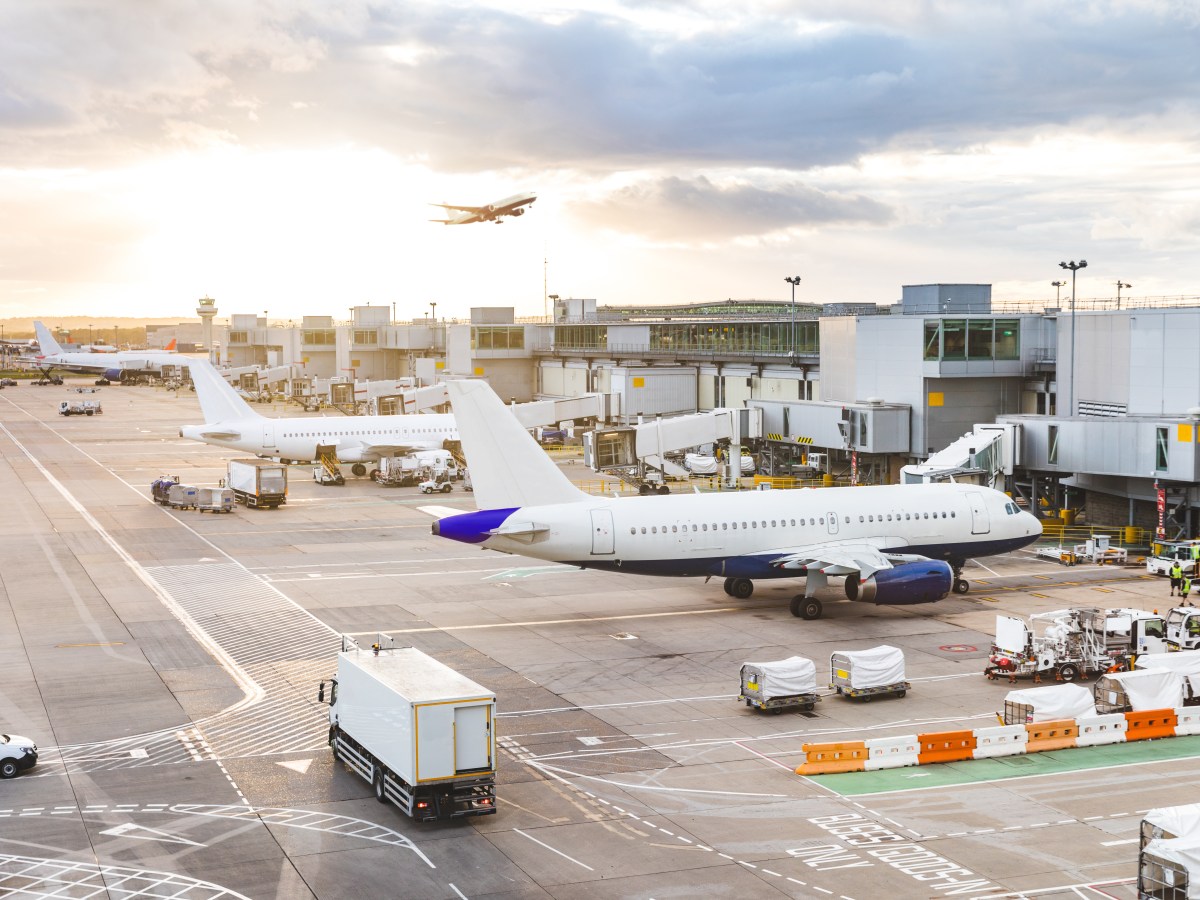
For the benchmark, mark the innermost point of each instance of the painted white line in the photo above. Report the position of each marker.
(580, 620)
(552, 850)
(1119, 843)
(457, 891)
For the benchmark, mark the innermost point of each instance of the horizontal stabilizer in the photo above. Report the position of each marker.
(439, 512)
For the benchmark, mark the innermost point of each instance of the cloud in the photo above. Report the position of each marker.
(675, 210)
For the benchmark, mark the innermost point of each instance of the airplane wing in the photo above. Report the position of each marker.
(385, 449)
(477, 210)
(842, 558)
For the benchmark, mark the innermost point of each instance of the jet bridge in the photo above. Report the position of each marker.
(638, 454)
(985, 456)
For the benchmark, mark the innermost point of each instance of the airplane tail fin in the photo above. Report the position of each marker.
(218, 401)
(170, 346)
(46, 340)
(507, 466)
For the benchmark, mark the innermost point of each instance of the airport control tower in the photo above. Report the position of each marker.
(207, 311)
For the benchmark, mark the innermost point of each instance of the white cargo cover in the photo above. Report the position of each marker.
(785, 678)
(1184, 662)
(878, 667)
(1055, 701)
(1145, 688)
(1173, 821)
(1169, 864)
(699, 464)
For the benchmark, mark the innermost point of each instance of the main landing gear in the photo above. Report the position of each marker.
(806, 607)
(741, 588)
(359, 469)
(961, 585)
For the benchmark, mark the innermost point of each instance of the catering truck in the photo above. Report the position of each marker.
(257, 482)
(422, 734)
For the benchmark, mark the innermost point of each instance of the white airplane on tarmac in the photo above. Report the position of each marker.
(509, 206)
(230, 422)
(122, 365)
(894, 544)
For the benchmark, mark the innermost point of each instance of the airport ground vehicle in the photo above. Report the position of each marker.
(16, 755)
(780, 685)
(160, 488)
(8, 382)
(1183, 628)
(863, 674)
(1073, 643)
(415, 467)
(438, 484)
(80, 408)
(1048, 703)
(214, 499)
(421, 733)
(1169, 853)
(257, 482)
(49, 379)
(182, 496)
(1164, 554)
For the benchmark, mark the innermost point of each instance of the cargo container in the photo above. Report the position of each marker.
(214, 499)
(863, 674)
(421, 733)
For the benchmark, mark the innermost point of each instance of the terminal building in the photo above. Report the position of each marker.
(1101, 406)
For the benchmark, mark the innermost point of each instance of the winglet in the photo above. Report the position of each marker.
(508, 468)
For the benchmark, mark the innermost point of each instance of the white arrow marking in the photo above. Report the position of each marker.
(296, 765)
(151, 834)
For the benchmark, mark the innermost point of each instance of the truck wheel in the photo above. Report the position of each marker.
(8, 768)
(1068, 672)
(377, 784)
(446, 488)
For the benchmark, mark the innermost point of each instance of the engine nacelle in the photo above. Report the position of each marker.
(926, 581)
(115, 374)
(518, 212)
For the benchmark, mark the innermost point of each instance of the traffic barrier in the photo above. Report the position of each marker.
(1187, 721)
(1149, 724)
(1097, 730)
(946, 746)
(829, 759)
(893, 752)
(1051, 735)
(1000, 740)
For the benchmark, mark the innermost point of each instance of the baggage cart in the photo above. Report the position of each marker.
(863, 674)
(214, 499)
(780, 685)
(181, 496)
(1047, 704)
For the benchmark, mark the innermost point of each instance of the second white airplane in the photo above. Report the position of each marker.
(358, 440)
(893, 544)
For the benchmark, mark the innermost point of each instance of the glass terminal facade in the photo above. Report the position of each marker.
(972, 339)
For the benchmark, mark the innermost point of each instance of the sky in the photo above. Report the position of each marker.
(281, 155)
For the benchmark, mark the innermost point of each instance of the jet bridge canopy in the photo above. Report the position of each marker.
(984, 456)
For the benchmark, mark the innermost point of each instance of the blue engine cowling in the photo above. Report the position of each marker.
(114, 374)
(925, 581)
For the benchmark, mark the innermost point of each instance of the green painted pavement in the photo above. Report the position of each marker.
(971, 771)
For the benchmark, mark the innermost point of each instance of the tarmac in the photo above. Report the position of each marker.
(167, 662)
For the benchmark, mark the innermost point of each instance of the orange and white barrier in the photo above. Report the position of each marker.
(1004, 740)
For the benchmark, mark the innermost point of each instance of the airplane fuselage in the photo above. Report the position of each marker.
(739, 535)
(354, 437)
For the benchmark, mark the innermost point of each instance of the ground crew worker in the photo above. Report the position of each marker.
(1185, 588)
(1176, 573)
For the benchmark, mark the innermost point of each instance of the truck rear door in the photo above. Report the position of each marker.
(472, 739)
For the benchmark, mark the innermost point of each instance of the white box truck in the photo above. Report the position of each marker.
(257, 482)
(422, 734)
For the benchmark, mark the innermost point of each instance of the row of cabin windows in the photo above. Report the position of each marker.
(776, 523)
(449, 434)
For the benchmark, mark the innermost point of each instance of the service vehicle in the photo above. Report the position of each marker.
(257, 482)
(80, 408)
(1068, 644)
(214, 499)
(421, 733)
(1183, 628)
(8, 382)
(863, 674)
(16, 755)
(182, 496)
(1164, 554)
(780, 685)
(438, 483)
(160, 488)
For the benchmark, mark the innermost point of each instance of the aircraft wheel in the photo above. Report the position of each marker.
(729, 588)
(961, 585)
(806, 607)
(358, 469)
(741, 588)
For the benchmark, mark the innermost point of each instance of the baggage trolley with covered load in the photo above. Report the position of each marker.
(780, 685)
(863, 674)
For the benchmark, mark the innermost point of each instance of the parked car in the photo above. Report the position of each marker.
(16, 755)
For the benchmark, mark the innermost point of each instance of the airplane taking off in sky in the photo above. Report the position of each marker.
(230, 422)
(894, 544)
(509, 206)
(118, 366)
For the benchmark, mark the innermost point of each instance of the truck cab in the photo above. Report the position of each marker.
(1183, 628)
(1164, 554)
